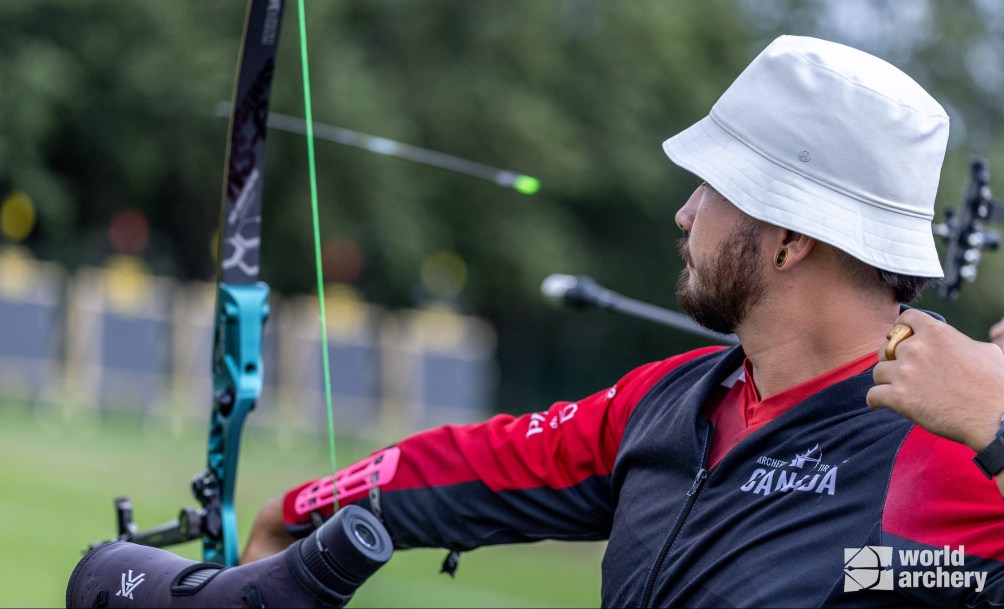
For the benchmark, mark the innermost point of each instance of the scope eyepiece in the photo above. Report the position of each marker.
(343, 553)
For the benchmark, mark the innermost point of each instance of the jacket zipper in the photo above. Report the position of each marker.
(692, 495)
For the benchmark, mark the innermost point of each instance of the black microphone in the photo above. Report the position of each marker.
(580, 292)
(322, 570)
(577, 292)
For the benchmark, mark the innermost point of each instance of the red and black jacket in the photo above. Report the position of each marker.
(774, 524)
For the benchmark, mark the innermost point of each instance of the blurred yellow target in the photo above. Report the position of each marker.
(444, 274)
(17, 216)
(17, 271)
(128, 284)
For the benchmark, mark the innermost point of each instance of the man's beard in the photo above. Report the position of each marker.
(725, 290)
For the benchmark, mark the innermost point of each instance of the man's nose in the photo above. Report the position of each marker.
(685, 215)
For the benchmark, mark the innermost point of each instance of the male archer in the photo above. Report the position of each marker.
(809, 232)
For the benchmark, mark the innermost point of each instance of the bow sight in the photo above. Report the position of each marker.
(964, 233)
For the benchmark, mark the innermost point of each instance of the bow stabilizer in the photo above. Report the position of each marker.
(964, 230)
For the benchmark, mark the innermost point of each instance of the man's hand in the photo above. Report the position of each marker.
(997, 333)
(944, 381)
(268, 534)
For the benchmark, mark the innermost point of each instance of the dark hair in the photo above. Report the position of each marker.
(905, 287)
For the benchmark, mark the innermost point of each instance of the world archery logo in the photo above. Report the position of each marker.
(871, 568)
(868, 568)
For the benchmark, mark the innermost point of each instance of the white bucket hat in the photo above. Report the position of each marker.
(831, 142)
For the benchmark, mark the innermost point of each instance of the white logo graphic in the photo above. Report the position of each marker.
(538, 419)
(805, 472)
(270, 31)
(807, 457)
(870, 568)
(242, 245)
(129, 584)
(244, 198)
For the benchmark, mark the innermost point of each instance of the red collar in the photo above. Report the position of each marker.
(757, 411)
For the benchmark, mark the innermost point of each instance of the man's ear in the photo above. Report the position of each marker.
(792, 248)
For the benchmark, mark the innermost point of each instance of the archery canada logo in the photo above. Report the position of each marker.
(871, 568)
(805, 472)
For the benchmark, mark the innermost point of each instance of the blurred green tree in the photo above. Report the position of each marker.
(109, 105)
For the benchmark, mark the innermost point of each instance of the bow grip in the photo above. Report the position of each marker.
(241, 313)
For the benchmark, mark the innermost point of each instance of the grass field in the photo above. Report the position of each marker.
(58, 479)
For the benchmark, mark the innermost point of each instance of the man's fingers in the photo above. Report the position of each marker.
(997, 333)
(879, 396)
(916, 319)
(882, 373)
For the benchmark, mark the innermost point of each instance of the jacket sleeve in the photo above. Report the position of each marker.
(542, 475)
(945, 522)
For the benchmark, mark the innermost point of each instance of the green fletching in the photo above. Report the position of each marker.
(526, 185)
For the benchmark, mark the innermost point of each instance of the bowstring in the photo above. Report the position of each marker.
(315, 216)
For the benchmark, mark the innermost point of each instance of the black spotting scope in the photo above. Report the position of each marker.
(322, 570)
